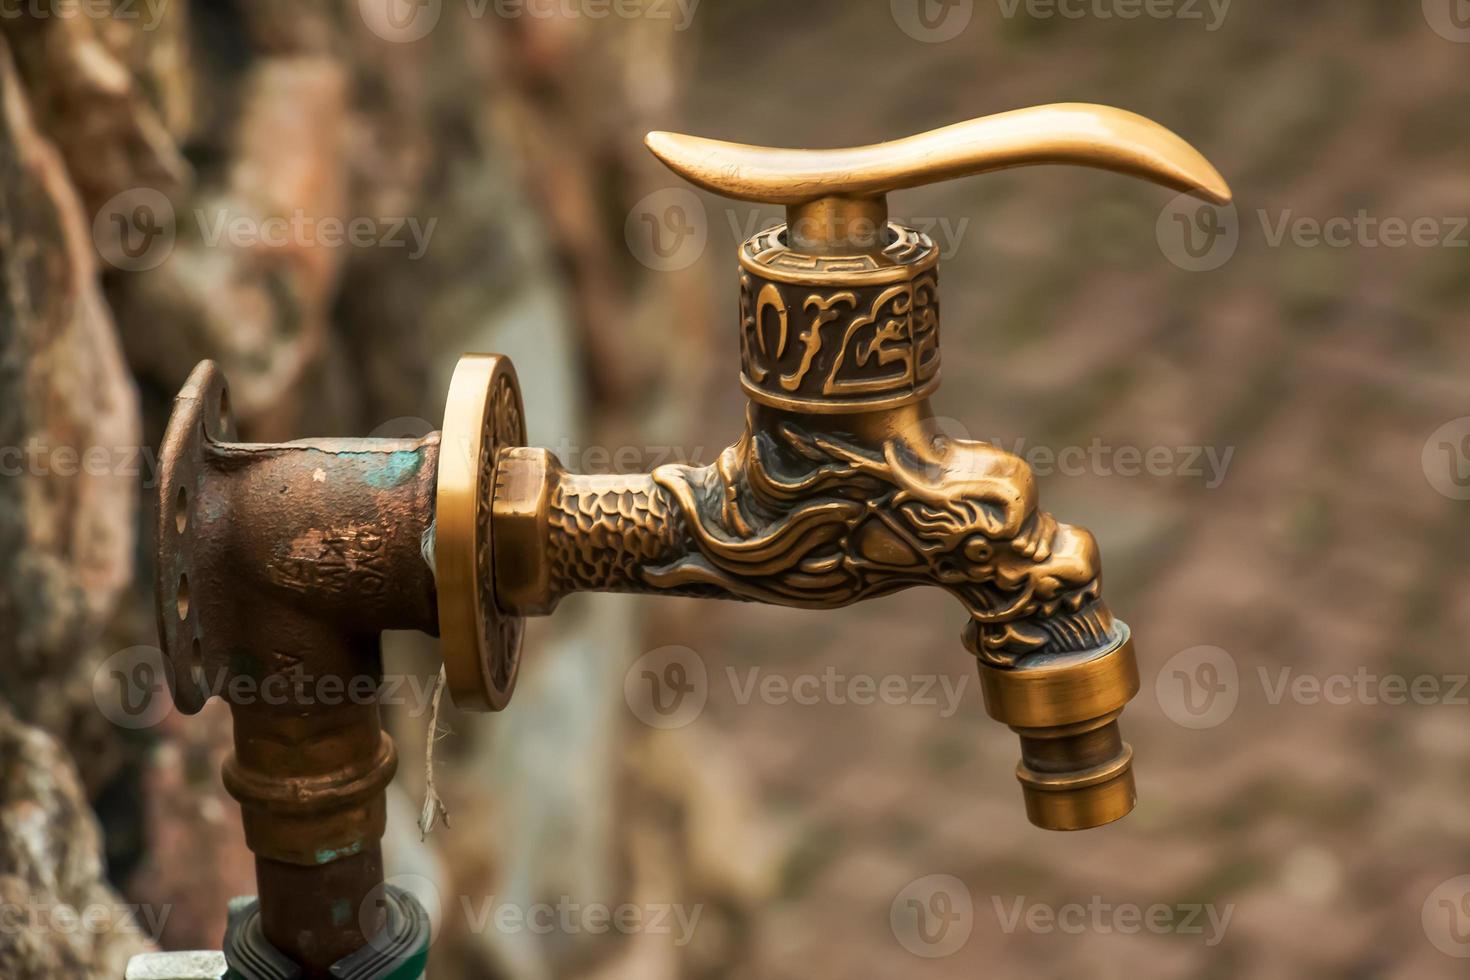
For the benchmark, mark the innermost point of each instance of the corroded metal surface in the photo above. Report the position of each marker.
(278, 567)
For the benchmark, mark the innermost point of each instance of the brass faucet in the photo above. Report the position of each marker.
(841, 487)
(284, 562)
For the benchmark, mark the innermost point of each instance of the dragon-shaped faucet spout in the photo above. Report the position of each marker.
(814, 518)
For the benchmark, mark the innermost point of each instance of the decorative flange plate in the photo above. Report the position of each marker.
(481, 645)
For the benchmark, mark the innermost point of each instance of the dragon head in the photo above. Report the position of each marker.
(1030, 583)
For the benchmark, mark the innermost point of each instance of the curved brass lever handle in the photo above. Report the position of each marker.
(1076, 133)
(840, 186)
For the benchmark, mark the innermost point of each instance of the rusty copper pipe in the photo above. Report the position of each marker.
(279, 566)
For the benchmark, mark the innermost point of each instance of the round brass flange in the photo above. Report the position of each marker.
(481, 645)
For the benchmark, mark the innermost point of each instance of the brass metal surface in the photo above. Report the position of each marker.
(480, 644)
(842, 487)
(813, 516)
(839, 334)
(1072, 132)
(1065, 690)
(839, 308)
(1075, 771)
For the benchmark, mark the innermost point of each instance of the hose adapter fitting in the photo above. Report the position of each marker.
(1076, 772)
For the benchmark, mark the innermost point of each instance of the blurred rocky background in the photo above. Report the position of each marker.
(1263, 413)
